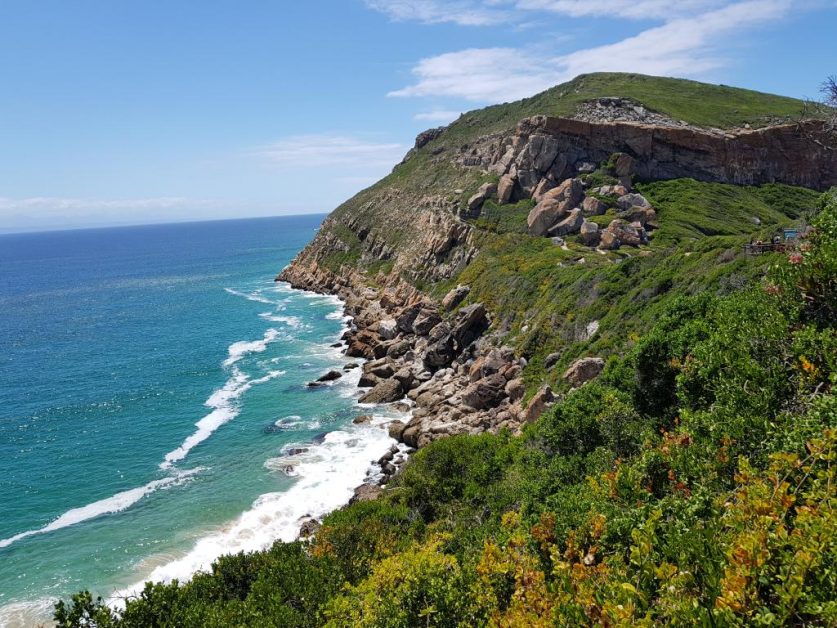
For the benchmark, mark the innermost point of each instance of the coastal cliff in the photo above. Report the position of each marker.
(396, 251)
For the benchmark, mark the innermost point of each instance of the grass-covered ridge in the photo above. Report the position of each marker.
(695, 483)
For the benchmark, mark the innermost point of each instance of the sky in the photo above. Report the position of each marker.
(140, 111)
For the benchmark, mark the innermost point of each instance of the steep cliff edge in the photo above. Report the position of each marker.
(471, 202)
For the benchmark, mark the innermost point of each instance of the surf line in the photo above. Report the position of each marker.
(223, 410)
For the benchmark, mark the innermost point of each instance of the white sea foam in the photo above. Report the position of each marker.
(291, 321)
(238, 350)
(109, 505)
(252, 296)
(222, 402)
(328, 474)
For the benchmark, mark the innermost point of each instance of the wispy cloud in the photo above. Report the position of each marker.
(332, 150)
(64, 204)
(462, 12)
(438, 116)
(687, 46)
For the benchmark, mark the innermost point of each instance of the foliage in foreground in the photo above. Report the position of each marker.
(693, 484)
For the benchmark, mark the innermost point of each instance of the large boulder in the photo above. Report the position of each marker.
(388, 328)
(505, 189)
(542, 188)
(642, 215)
(553, 205)
(593, 206)
(584, 370)
(569, 225)
(441, 347)
(455, 297)
(589, 234)
(407, 316)
(425, 321)
(485, 393)
(384, 392)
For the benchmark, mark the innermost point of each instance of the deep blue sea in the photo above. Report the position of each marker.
(152, 382)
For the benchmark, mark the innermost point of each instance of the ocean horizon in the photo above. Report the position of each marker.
(154, 410)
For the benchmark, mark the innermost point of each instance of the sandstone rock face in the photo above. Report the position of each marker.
(584, 370)
(781, 153)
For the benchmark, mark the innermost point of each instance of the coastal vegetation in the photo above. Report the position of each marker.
(693, 483)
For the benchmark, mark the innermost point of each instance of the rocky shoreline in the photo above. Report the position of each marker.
(436, 360)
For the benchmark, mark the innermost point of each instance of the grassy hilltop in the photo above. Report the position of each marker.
(693, 483)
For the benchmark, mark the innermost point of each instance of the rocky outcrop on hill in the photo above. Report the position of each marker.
(553, 149)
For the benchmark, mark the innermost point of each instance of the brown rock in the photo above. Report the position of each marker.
(537, 404)
(569, 225)
(553, 205)
(363, 419)
(589, 233)
(455, 297)
(366, 493)
(505, 189)
(485, 191)
(593, 206)
(396, 429)
(584, 370)
(542, 188)
(384, 392)
(625, 165)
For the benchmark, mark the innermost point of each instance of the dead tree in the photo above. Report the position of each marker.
(818, 121)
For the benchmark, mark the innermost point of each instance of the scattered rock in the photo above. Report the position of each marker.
(505, 189)
(366, 493)
(551, 360)
(584, 370)
(426, 321)
(553, 205)
(627, 201)
(396, 429)
(593, 206)
(589, 234)
(455, 297)
(309, 528)
(538, 404)
(388, 328)
(363, 419)
(330, 376)
(384, 392)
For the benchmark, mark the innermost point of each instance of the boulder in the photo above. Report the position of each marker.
(308, 528)
(540, 402)
(613, 190)
(515, 389)
(425, 321)
(470, 323)
(455, 297)
(485, 393)
(593, 206)
(569, 225)
(485, 191)
(619, 233)
(396, 429)
(627, 201)
(398, 348)
(625, 165)
(388, 328)
(407, 316)
(553, 205)
(406, 377)
(642, 215)
(330, 376)
(366, 493)
(384, 392)
(551, 360)
(351, 366)
(505, 189)
(542, 188)
(363, 419)
(589, 234)
(441, 347)
(583, 370)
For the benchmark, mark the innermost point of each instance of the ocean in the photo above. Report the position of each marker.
(154, 412)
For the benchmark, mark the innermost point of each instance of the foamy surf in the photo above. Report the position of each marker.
(113, 504)
(224, 409)
(327, 474)
(238, 350)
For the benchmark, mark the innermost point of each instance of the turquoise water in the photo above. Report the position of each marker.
(151, 381)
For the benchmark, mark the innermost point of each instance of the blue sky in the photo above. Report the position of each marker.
(118, 111)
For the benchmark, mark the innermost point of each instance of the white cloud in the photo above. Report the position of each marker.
(685, 47)
(332, 150)
(463, 12)
(632, 9)
(438, 116)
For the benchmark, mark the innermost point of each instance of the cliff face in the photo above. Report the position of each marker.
(557, 148)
